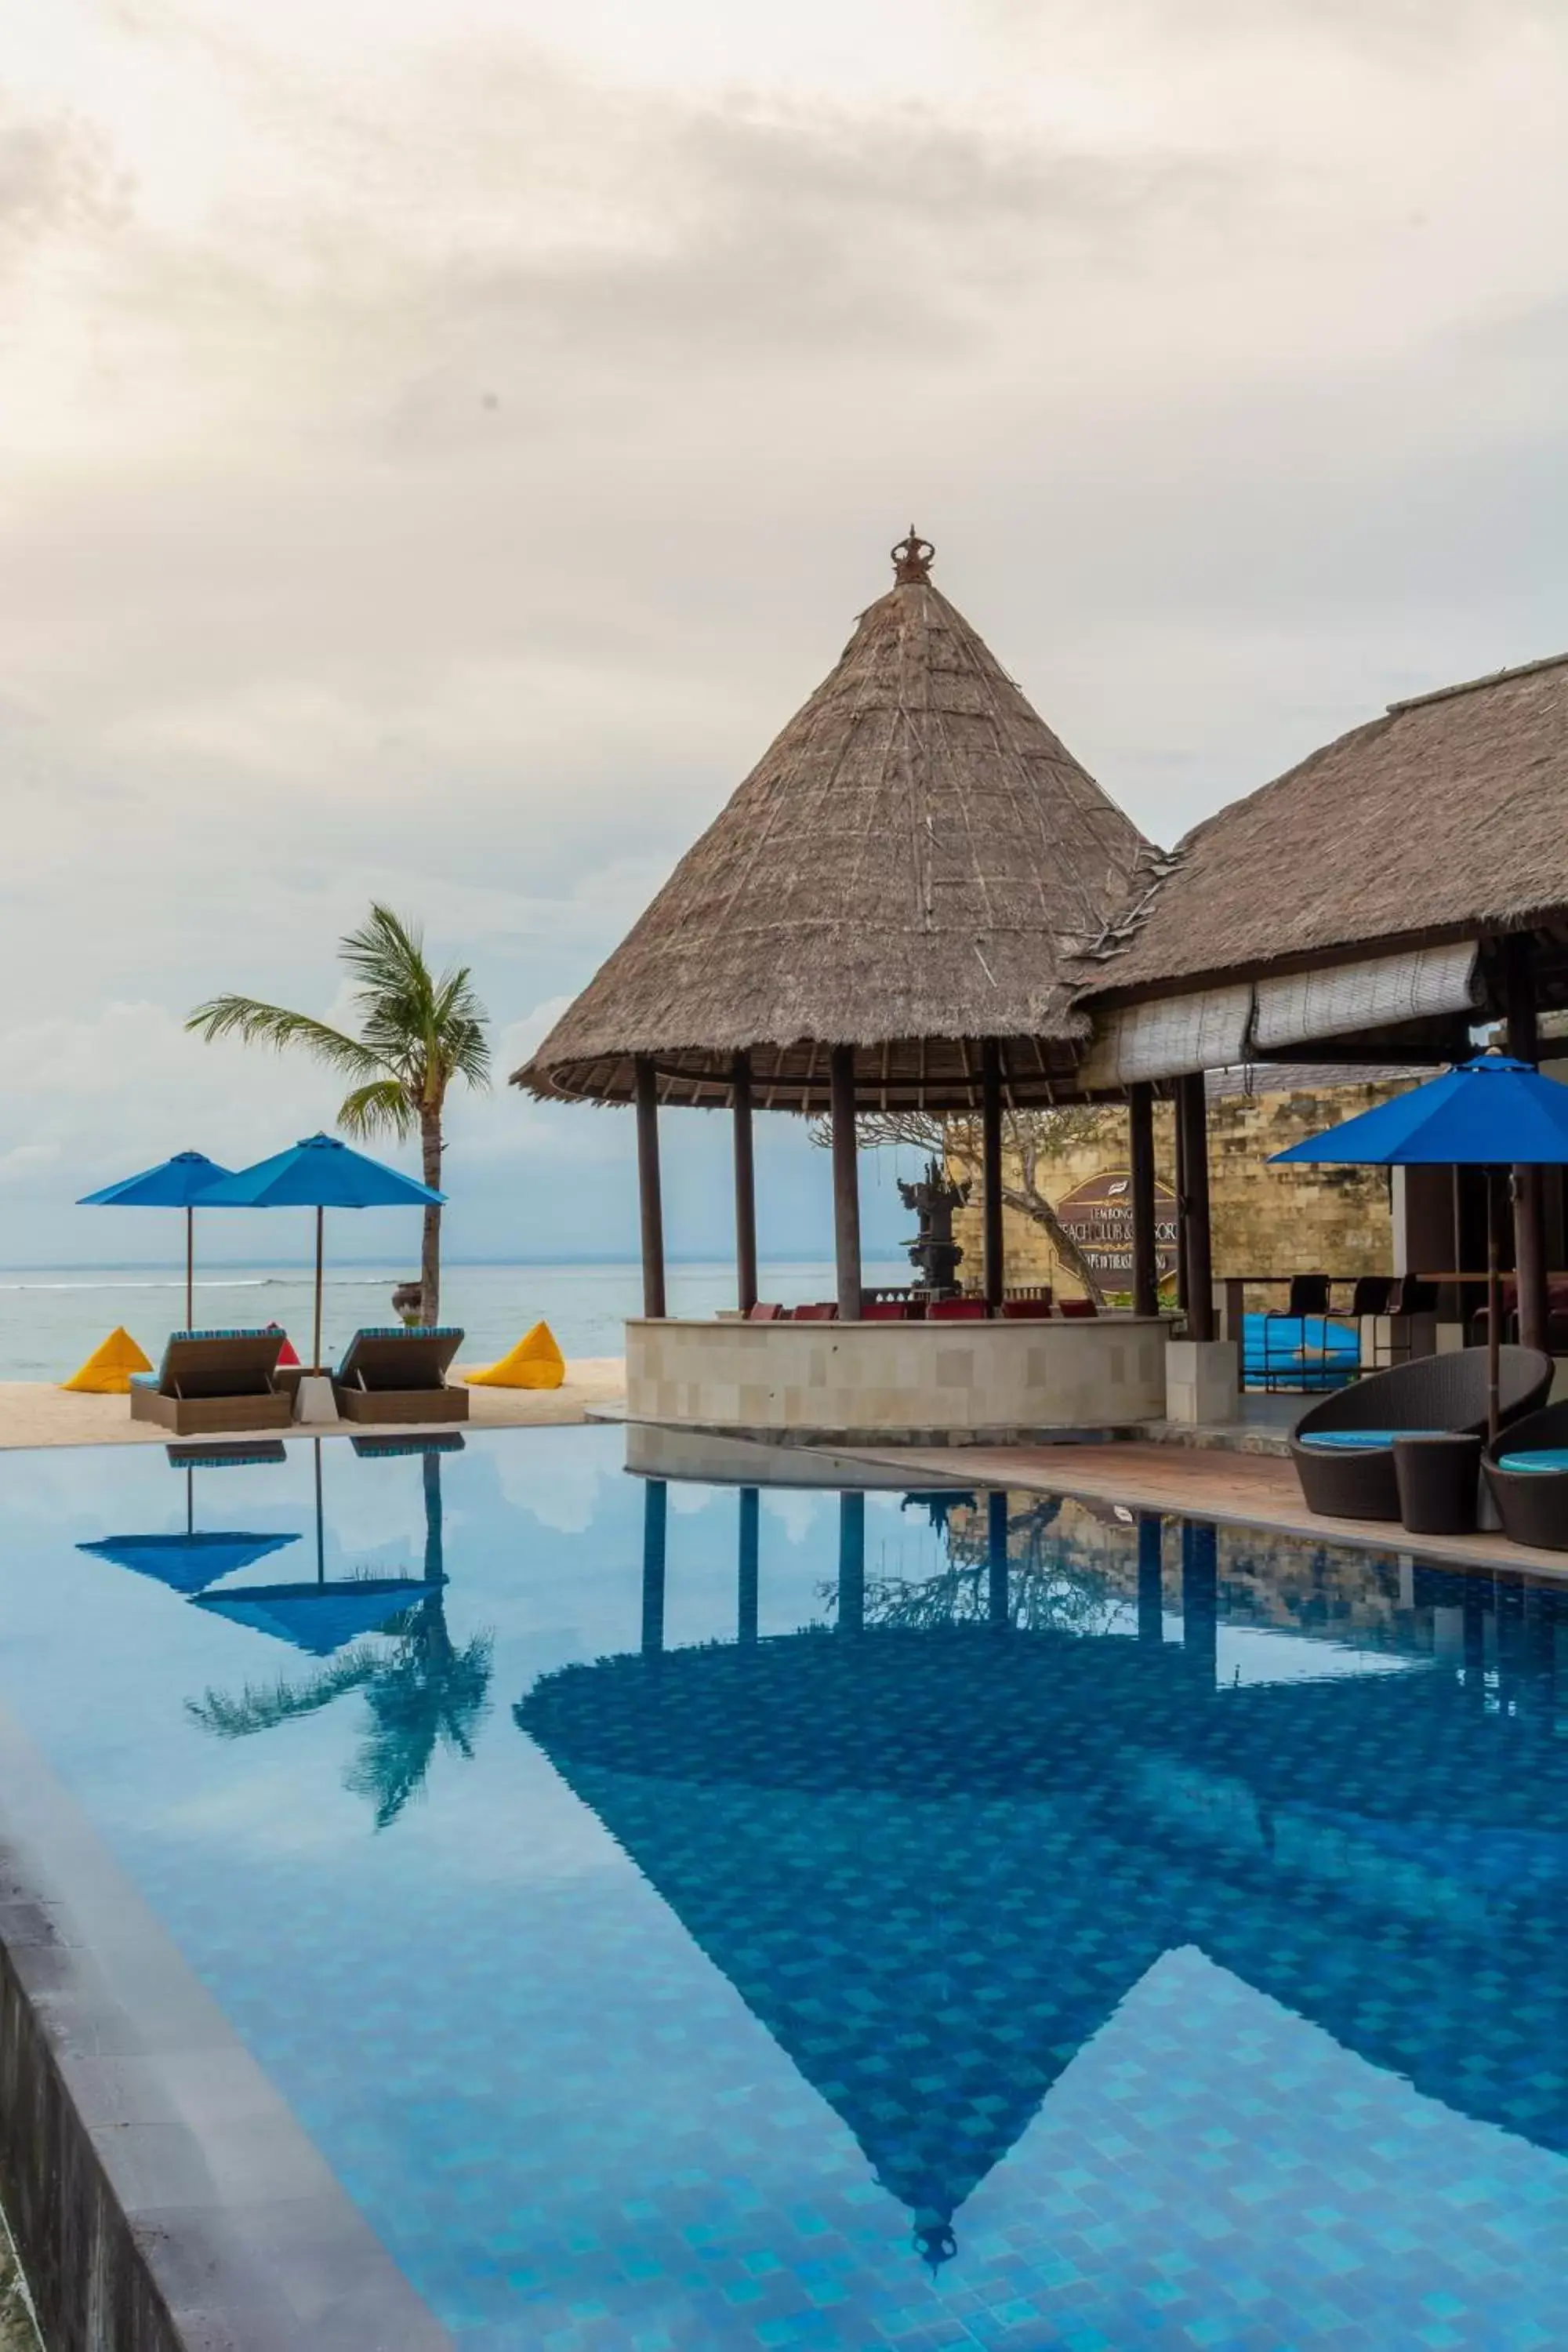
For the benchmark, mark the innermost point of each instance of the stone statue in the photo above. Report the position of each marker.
(934, 1252)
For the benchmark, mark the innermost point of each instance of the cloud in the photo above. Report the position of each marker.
(440, 466)
(57, 179)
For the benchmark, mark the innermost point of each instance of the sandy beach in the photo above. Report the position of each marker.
(35, 1412)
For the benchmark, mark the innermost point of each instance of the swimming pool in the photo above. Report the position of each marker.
(688, 1917)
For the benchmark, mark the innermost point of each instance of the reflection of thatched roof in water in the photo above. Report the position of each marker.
(933, 1865)
(907, 869)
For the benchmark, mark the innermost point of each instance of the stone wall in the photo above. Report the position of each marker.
(1265, 1220)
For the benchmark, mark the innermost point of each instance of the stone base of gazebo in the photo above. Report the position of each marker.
(917, 1379)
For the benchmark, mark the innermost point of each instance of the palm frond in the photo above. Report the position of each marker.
(386, 957)
(382, 1108)
(263, 1707)
(255, 1024)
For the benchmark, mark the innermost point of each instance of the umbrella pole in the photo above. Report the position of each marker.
(190, 1267)
(1494, 1306)
(316, 1345)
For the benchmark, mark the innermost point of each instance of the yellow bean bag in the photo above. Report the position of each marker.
(107, 1371)
(536, 1363)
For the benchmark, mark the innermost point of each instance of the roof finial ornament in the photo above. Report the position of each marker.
(911, 559)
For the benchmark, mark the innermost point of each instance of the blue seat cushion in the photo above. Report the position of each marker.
(1543, 1457)
(1360, 1440)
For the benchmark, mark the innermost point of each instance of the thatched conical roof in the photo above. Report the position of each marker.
(906, 870)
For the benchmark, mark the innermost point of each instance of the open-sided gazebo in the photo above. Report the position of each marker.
(888, 914)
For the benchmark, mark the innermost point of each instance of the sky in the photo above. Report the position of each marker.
(444, 443)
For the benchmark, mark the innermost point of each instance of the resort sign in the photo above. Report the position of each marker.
(1098, 1216)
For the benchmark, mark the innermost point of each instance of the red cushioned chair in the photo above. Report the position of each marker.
(823, 1311)
(957, 1310)
(1078, 1309)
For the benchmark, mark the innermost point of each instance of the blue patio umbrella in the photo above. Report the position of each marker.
(177, 1183)
(1492, 1113)
(321, 1173)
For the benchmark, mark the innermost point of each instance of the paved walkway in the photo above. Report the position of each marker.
(1244, 1490)
(34, 1413)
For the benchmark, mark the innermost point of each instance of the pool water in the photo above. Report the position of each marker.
(686, 1916)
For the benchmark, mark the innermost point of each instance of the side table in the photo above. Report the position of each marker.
(1438, 1479)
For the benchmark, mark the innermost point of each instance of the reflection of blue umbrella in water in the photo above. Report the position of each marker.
(324, 1616)
(187, 1563)
(182, 1182)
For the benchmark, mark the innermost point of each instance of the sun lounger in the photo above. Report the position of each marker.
(399, 1374)
(214, 1380)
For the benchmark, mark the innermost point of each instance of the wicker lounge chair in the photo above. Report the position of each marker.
(1527, 1471)
(1343, 1446)
(398, 1374)
(213, 1380)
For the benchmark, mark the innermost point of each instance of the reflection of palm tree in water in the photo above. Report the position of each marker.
(426, 1693)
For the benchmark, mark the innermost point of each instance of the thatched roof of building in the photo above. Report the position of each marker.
(1443, 818)
(910, 868)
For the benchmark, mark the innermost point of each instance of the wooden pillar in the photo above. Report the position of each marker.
(746, 1600)
(990, 1170)
(1181, 1152)
(1529, 1191)
(998, 1598)
(1192, 1112)
(745, 1189)
(1140, 1169)
(654, 1527)
(845, 1182)
(648, 1188)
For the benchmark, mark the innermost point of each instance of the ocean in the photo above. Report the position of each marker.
(52, 1317)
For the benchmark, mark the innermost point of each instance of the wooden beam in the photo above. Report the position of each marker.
(991, 1171)
(845, 1182)
(1140, 1166)
(648, 1193)
(1191, 1110)
(1178, 1127)
(1520, 1005)
(745, 1189)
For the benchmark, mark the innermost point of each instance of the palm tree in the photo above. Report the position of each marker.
(418, 1032)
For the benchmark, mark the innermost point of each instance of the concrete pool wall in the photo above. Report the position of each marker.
(162, 2194)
